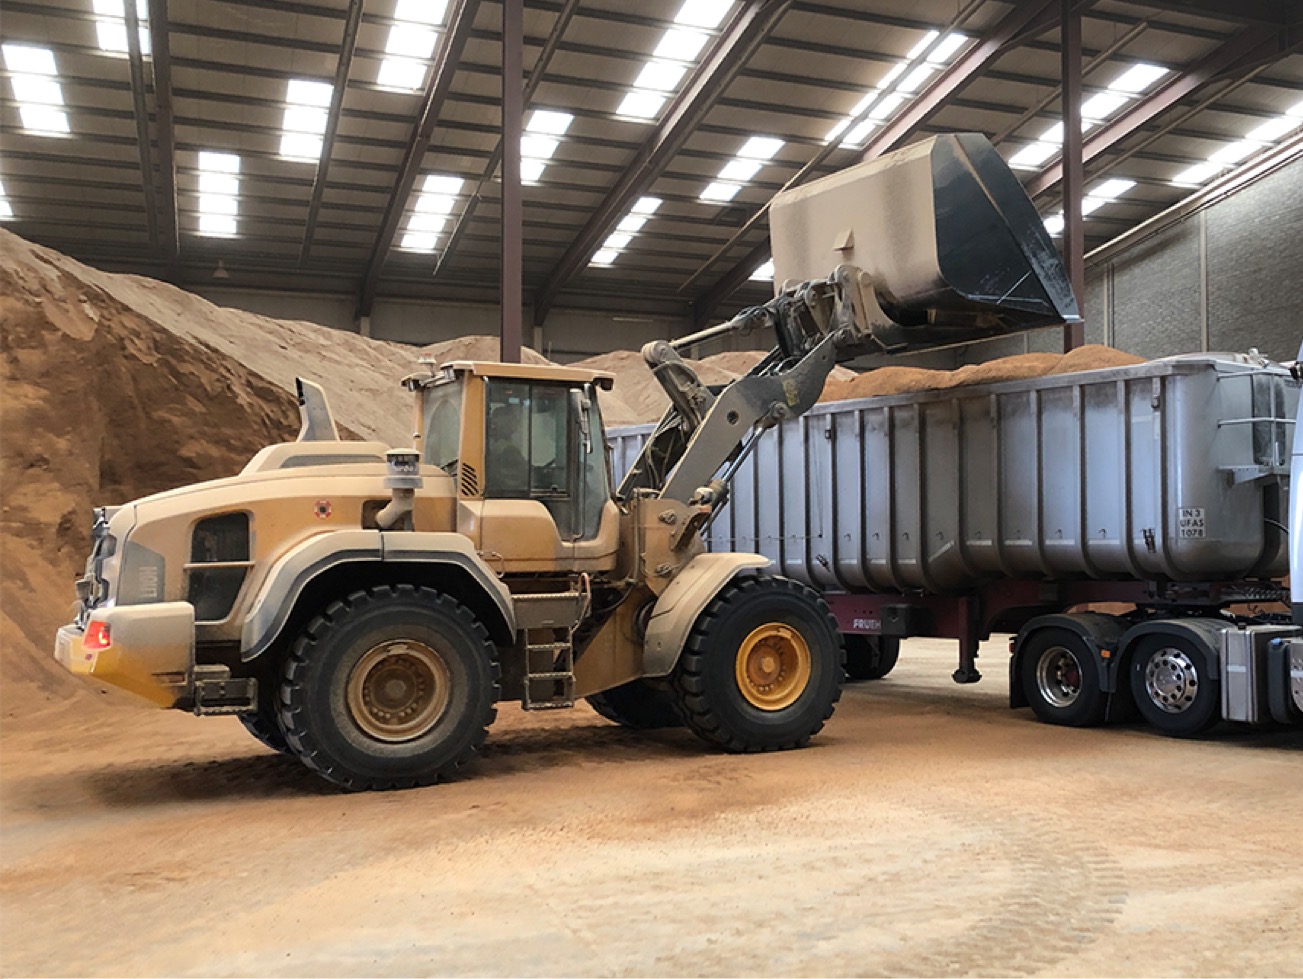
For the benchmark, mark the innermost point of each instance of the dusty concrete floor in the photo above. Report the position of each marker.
(930, 831)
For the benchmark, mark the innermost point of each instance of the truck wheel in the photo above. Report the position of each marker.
(1174, 684)
(870, 657)
(267, 729)
(389, 688)
(762, 667)
(1061, 678)
(637, 705)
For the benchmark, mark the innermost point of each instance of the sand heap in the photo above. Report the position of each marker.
(903, 380)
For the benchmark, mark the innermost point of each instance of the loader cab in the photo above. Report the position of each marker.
(526, 447)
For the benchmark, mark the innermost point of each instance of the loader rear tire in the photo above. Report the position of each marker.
(762, 667)
(389, 688)
(870, 657)
(266, 728)
(636, 705)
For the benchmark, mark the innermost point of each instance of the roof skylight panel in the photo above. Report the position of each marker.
(429, 217)
(677, 49)
(629, 226)
(765, 273)
(111, 25)
(754, 154)
(35, 83)
(6, 209)
(410, 44)
(702, 13)
(540, 140)
(1138, 78)
(1259, 138)
(219, 194)
(304, 122)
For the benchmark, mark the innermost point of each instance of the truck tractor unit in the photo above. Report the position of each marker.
(365, 608)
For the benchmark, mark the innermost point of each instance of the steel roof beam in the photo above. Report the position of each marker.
(346, 48)
(743, 37)
(943, 90)
(136, 65)
(160, 53)
(460, 19)
(1244, 47)
(1272, 13)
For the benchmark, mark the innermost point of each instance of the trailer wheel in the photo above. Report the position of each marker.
(636, 705)
(389, 688)
(1061, 679)
(1174, 684)
(762, 667)
(870, 657)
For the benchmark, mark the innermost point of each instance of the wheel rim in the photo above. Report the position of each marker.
(398, 690)
(1058, 676)
(1171, 680)
(773, 666)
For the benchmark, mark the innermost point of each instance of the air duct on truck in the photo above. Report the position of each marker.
(942, 235)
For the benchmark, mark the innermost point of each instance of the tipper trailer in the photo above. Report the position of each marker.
(1009, 507)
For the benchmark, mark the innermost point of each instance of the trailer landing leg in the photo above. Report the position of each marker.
(967, 672)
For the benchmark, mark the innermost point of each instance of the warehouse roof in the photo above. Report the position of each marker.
(653, 140)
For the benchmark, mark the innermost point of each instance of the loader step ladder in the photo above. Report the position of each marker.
(549, 676)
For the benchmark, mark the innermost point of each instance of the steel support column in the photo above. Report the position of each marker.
(460, 19)
(347, 46)
(1074, 235)
(512, 110)
(160, 53)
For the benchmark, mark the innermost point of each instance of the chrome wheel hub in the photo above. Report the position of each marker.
(1171, 680)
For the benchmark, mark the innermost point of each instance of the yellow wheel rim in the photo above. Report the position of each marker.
(773, 666)
(399, 690)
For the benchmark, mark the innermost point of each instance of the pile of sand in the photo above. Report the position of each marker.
(904, 380)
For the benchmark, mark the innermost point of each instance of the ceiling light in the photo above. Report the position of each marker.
(1235, 152)
(865, 102)
(946, 49)
(217, 225)
(680, 44)
(640, 105)
(617, 241)
(434, 203)
(719, 192)
(44, 120)
(304, 119)
(423, 222)
(1092, 204)
(303, 91)
(28, 60)
(1054, 224)
(838, 128)
(924, 43)
(1274, 129)
(1137, 78)
(760, 148)
(660, 76)
(418, 241)
(1102, 105)
(739, 170)
(538, 147)
(531, 171)
(420, 11)
(549, 122)
(410, 41)
(301, 147)
(860, 133)
(887, 106)
(646, 205)
(1031, 156)
(218, 204)
(1111, 189)
(219, 162)
(213, 182)
(401, 74)
(1197, 174)
(895, 72)
(765, 273)
(604, 257)
(702, 13)
(631, 224)
(40, 89)
(438, 183)
(915, 79)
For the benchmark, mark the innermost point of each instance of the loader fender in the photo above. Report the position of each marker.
(276, 598)
(686, 598)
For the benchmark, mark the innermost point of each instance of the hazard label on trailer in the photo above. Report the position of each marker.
(1191, 521)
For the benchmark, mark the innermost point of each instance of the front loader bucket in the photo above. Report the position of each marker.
(953, 245)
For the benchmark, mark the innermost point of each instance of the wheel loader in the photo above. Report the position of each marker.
(364, 608)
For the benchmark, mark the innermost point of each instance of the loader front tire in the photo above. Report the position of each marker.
(762, 667)
(389, 688)
(636, 705)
